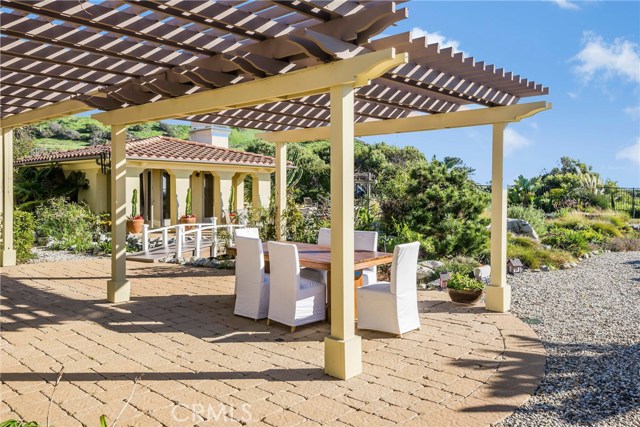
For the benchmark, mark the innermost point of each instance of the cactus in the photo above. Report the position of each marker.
(187, 208)
(134, 203)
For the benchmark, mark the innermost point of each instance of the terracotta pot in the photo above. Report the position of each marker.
(187, 220)
(134, 226)
(465, 296)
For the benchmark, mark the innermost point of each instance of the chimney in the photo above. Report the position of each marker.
(210, 134)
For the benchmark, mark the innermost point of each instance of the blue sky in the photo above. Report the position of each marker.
(587, 53)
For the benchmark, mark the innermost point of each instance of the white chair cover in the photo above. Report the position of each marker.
(294, 300)
(392, 307)
(367, 241)
(252, 283)
(247, 232)
(324, 237)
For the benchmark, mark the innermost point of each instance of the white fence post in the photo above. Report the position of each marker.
(179, 237)
(198, 239)
(214, 239)
(165, 237)
(145, 238)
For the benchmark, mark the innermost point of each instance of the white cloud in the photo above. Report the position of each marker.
(573, 95)
(514, 141)
(436, 37)
(633, 112)
(599, 58)
(566, 4)
(630, 153)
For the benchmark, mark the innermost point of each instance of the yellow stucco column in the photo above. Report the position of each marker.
(221, 192)
(156, 210)
(197, 195)
(7, 252)
(281, 190)
(238, 190)
(343, 349)
(498, 293)
(180, 183)
(118, 288)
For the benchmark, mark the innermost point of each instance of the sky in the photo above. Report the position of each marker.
(587, 53)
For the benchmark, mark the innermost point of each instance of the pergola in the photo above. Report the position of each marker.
(298, 70)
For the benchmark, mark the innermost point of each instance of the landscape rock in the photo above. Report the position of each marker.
(521, 227)
(424, 272)
(565, 266)
(544, 268)
(432, 264)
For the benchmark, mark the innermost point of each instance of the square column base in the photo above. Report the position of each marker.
(118, 291)
(7, 258)
(343, 358)
(498, 298)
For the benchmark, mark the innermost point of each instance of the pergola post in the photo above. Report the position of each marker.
(281, 190)
(7, 252)
(118, 288)
(343, 349)
(498, 293)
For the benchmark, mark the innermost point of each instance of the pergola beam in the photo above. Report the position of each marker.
(59, 109)
(479, 117)
(357, 71)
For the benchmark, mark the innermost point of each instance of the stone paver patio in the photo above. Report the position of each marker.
(203, 366)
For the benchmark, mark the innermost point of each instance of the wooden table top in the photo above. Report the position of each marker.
(319, 257)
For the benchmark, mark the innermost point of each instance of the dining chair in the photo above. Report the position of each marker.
(392, 306)
(252, 283)
(367, 241)
(324, 237)
(293, 300)
(248, 232)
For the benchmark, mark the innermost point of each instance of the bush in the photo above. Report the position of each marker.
(462, 282)
(574, 241)
(533, 216)
(65, 225)
(23, 235)
(536, 257)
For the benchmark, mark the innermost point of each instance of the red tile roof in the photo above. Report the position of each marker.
(159, 148)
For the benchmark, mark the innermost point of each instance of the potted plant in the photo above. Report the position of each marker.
(135, 221)
(464, 289)
(188, 217)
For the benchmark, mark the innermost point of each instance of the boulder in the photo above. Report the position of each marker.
(544, 268)
(424, 272)
(521, 227)
(432, 264)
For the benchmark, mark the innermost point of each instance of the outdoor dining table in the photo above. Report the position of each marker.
(319, 258)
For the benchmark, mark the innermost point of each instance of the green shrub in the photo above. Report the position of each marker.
(65, 225)
(574, 241)
(533, 216)
(536, 256)
(607, 229)
(463, 282)
(23, 235)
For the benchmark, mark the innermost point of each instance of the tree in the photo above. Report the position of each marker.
(444, 205)
(23, 142)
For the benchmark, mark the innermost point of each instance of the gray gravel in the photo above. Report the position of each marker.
(46, 255)
(589, 321)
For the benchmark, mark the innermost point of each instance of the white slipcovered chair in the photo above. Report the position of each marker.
(252, 283)
(248, 232)
(392, 306)
(362, 241)
(324, 237)
(293, 300)
(367, 241)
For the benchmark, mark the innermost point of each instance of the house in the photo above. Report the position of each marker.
(162, 169)
(514, 266)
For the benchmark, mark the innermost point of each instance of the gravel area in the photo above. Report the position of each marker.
(46, 255)
(589, 321)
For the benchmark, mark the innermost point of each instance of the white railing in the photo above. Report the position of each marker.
(198, 230)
